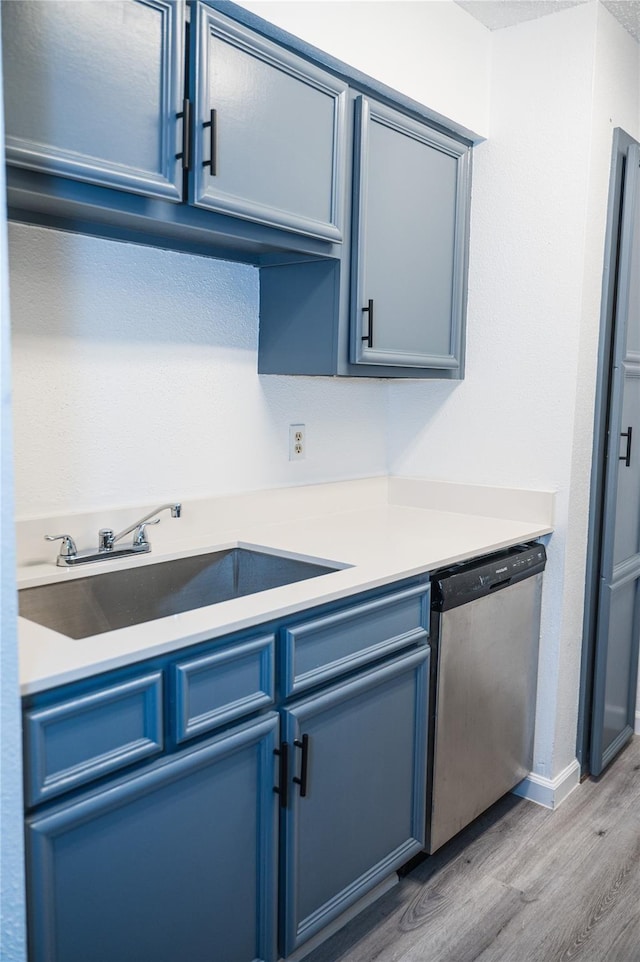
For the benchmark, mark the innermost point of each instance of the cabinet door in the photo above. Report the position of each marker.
(362, 814)
(176, 863)
(93, 89)
(269, 131)
(409, 249)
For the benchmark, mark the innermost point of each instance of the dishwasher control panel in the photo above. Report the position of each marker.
(459, 584)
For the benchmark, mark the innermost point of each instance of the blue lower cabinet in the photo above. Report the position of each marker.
(357, 787)
(175, 863)
(92, 734)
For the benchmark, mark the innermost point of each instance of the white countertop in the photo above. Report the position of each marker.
(383, 529)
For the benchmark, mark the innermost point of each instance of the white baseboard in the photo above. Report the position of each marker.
(550, 792)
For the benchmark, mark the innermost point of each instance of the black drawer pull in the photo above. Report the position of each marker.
(627, 457)
(213, 137)
(304, 765)
(368, 337)
(283, 788)
(185, 113)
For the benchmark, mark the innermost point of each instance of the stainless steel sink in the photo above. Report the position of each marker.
(118, 599)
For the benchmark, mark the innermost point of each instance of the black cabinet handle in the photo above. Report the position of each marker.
(213, 137)
(304, 765)
(369, 336)
(283, 788)
(185, 154)
(626, 457)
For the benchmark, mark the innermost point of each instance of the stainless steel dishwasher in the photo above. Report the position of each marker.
(485, 627)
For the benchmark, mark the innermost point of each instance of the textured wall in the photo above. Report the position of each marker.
(135, 380)
(12, 910)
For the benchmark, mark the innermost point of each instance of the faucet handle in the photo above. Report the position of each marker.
(139, 536)
(68, 547)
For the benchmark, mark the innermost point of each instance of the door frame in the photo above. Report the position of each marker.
(621, 142)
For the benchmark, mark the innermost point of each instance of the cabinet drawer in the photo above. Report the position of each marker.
(324, 648)
(88, 736)
(217, 688)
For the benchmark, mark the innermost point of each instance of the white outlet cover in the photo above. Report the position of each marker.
(297, 442)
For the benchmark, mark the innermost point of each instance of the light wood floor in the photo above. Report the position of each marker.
(522, 884)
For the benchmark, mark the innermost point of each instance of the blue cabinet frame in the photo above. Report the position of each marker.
(73, 108)
(409, 242)
(91, 735)
(170, 863)
(120, 855)
(269, 183)
(269, 131)
(358, 796)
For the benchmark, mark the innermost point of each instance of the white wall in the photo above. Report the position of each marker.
(12, 908)
(135, 380)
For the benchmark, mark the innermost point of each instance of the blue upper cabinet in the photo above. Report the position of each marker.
(408, 271)
(93, 91)
(269, 131)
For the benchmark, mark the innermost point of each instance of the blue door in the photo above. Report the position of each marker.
(409, 245)
(618, 603)
(175, 863)
(356, 808)
(270, 129)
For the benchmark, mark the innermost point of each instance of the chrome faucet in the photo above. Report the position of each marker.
(69, 554)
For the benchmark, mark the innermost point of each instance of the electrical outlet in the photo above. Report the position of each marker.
(297, 442)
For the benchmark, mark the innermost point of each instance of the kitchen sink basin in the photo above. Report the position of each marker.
(118, 599)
